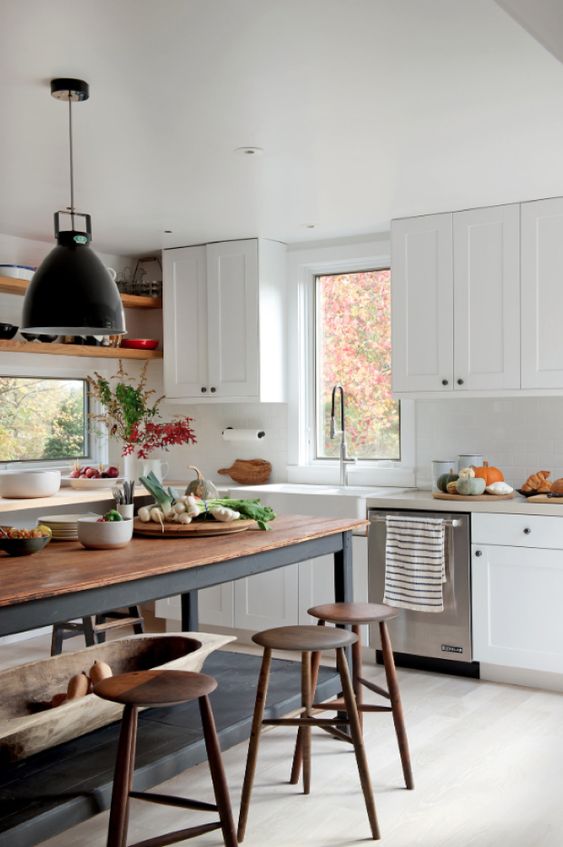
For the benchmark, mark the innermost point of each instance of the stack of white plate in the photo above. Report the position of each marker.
(63, 527)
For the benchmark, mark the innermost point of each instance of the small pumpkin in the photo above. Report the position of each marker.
(200, 486)
(466, 473)
(489, 473)
(445, 479)
(470, 485)
(452, 487)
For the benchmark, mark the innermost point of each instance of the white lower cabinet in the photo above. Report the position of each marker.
(274, 598)
(516, 599)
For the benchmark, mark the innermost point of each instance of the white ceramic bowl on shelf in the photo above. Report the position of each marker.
(23, 484)
(104, 535)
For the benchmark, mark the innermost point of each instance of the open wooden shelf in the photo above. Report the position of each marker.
(55, 349)
(9, 285)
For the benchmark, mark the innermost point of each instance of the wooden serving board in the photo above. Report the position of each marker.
(195, 529)
(439, 495)
(541, 498)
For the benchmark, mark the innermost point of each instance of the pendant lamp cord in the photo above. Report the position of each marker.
(71, 158)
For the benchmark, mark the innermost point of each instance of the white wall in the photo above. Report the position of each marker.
(520, 435)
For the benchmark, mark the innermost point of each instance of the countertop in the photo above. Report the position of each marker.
(64, 497)
(423, 500)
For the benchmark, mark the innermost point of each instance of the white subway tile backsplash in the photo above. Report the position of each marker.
(520, 435)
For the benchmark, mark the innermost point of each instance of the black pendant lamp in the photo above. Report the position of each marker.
(71, 292)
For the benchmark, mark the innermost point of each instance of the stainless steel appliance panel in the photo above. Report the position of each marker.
(439, 635)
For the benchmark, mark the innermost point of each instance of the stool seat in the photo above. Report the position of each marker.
(354, 613)
(307, 639)
(155, 688)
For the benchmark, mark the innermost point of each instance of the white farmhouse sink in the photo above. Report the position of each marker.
(331, 501)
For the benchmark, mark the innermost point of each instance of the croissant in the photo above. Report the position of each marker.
(538, 482)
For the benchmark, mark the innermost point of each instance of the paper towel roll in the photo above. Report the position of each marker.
(230, 434)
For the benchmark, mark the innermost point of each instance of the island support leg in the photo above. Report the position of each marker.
(343, 592)
(190, 621)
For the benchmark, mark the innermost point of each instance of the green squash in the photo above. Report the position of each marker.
(445, 479)
(201, 487)
(471, 485)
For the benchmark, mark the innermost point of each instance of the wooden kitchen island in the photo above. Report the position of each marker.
(55, 789)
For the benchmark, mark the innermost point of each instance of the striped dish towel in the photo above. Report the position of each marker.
(415, 563)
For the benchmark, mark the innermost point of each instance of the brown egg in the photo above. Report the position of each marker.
(58, 699)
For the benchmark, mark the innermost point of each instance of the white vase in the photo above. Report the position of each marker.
(130, 467)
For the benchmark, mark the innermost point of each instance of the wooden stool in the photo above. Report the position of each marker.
(95, 627)
(354, 615)
(307, 639)
(163, 688)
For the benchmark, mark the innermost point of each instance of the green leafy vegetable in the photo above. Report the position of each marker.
(165, 499)
(252, 509)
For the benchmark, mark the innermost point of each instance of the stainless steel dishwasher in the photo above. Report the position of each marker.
(433, 641)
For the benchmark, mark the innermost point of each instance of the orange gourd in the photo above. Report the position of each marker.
(489, 473)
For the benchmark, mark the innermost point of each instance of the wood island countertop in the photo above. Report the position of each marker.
(67, 567)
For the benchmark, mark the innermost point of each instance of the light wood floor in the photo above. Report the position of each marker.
(488, 765)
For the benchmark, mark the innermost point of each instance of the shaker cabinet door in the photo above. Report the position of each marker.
(185, 322)
(487, 298)
(517, 619)
(422, 303)
(542, 294)
(233, 352)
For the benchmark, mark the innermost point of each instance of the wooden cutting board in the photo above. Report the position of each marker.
(541, 498)
(195, 529)
(439, 495)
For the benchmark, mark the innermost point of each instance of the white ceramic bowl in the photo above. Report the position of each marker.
(104, 535)
(23, 484)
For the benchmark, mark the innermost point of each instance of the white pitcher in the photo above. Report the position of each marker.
(159, 468)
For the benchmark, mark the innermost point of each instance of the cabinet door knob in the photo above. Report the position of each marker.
(478, 552)
(213, 389)
(444, 382)
(203, 389)
(460, 382)
(527, 530)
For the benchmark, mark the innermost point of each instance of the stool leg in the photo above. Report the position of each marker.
(217, 770)
(396, 705)
(56, 641)
(306, 701)
(89, 634)
(298, 753)
(135, 612)
(357, 738)
(261, 694)
(123, 778)
(357, 674)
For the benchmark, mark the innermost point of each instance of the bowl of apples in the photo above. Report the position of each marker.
(23, 542)
(89, 477)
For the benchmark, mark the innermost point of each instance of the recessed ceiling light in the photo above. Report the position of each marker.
(309, 226)
(249, 151)
(167, 231)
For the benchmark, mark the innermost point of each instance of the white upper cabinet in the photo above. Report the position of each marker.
(422, 303)
(487, 298)
(455, 281)
(542, 294)
(225, 322)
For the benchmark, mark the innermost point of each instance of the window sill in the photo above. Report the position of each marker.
(328, 473)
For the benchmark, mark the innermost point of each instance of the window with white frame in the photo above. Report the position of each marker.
(353, 348)
(43, 419)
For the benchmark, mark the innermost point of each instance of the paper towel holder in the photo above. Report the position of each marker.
(259, 434)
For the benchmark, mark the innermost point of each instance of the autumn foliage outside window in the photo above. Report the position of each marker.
(353, 347)
(42, 419)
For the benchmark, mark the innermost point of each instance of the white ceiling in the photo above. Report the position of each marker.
(366, 110)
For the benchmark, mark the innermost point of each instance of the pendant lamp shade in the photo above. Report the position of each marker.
(71, 292)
